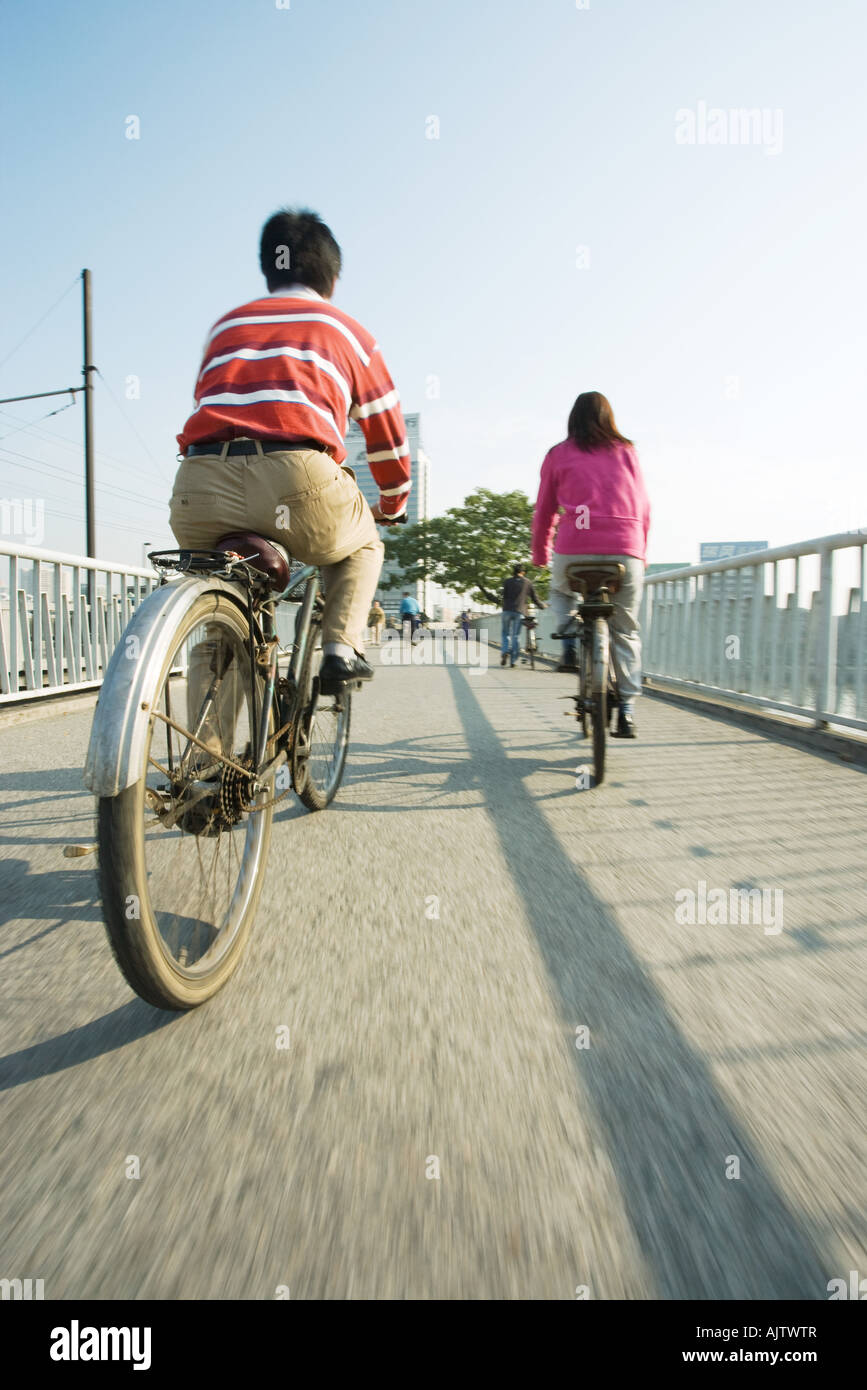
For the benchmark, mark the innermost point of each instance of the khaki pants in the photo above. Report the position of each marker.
(303, 500)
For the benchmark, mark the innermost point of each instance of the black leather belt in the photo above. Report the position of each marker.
(248, 446)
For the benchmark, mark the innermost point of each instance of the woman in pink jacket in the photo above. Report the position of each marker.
(592, 491)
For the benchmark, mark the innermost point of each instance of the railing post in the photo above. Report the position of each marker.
(14, 649)
(719, 654)
(774, 628)
(669, 627)
(861, 640)
(682, 628)
(643, 613)
(58, 624)
(37, 623)
(707, 630)
(76, 620)
(756, 629)
(826, 647)
(742, 629)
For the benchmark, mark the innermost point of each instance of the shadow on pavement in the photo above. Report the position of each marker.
(50, 779)
(107, 1034)
(667, 1129)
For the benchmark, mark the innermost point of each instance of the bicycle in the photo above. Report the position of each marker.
(597, 696)
(196, 736)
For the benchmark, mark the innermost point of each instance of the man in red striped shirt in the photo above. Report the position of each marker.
(263, 450)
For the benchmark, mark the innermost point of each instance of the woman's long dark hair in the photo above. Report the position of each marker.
(591, 422)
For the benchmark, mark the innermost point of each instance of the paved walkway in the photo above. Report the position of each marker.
(436, 943)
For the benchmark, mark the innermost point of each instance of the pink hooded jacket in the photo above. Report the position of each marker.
(597, 501)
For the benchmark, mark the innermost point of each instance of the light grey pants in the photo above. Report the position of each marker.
(625, 633)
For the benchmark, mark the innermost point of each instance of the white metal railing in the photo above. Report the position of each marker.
(783, 629)
(61, 617)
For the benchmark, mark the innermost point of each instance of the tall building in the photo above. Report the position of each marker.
(418, 507)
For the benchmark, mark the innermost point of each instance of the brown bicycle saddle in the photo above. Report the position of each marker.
(269, 557)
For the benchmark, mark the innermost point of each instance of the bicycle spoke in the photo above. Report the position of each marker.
(196, 862)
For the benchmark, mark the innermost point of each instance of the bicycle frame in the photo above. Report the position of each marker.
(289, 711)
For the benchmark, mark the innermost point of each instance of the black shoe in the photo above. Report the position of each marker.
(503, 659)
(625, 726)
(336, 671)
(568, 666)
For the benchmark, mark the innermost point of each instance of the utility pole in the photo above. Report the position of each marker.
(86, 370)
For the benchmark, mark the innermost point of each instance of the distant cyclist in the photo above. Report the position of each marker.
(410, 612)
(592, 491)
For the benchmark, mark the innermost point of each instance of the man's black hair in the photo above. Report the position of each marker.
(516, 570)
(296, 247)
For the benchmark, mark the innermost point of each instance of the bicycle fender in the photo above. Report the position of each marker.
(122, 714)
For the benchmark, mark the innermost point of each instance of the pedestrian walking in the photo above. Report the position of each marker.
(517, 592)
(376, 622)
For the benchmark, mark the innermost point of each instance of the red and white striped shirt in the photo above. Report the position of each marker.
(292, 366)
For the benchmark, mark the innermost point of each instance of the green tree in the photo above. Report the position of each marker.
(471, 549)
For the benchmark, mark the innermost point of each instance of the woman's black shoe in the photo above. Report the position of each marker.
(625, 726)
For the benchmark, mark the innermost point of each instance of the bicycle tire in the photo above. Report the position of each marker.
(601, 651)
(599, 706)
(598, 716)
(136, 938)
(585, 666)
(315, 794)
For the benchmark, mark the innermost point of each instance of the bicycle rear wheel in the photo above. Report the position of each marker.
(585, 684)
(182, 851)
(599, 718)
(322, 737)
(599, 707)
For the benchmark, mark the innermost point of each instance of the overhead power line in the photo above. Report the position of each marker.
(55, 471)
(38, 323)
(62, 440)
(28, 424)
(154, 461)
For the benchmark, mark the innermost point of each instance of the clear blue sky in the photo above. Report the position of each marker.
(557, 130)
